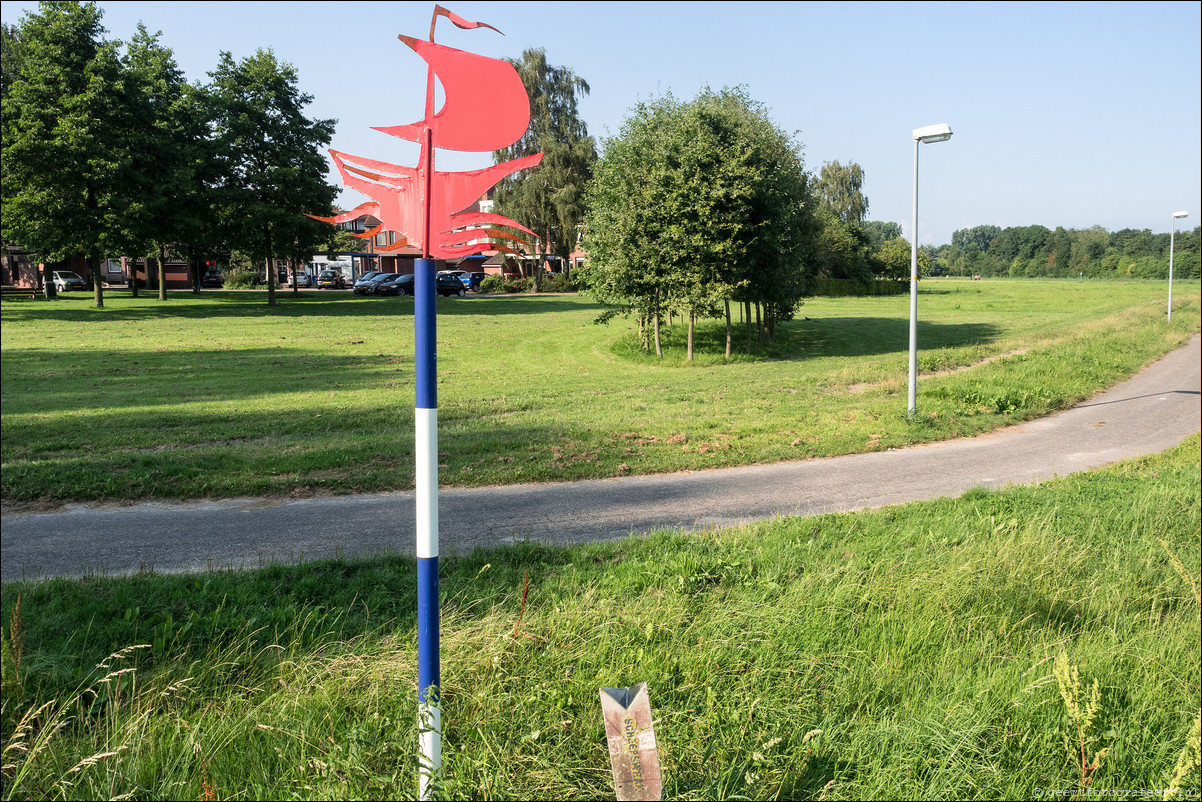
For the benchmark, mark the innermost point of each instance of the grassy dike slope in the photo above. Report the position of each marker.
(937, 650)
(220, 396)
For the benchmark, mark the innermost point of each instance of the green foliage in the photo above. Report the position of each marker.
(493, 282)
(696, 204)
(269, 160)
(840, 189)
(843, 288)
(878, 232)
(1035, 252)
(549, 199)
(842, 251)
(241, 278)
(65, 153)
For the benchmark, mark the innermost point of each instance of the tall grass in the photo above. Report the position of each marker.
(909, 652)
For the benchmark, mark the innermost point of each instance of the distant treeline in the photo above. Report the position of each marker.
(1039, 252)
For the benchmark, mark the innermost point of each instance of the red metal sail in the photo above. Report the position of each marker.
(485, 109)
(485, 106)
(396, 191)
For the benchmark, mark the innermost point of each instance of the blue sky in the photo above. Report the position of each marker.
(1071, 114)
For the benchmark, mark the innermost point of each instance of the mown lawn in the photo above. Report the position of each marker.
(218, 395)
(935, 650)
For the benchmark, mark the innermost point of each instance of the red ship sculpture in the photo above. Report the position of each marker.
(485, 108)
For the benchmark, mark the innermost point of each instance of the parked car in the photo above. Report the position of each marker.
(365, 278)
(330, 280)
(472, 281)
(448, 284)
(66, 280)
(212, 278)
(395, 285)
(367, 284)
(299, 279)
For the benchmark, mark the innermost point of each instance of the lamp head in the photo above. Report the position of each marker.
(1180, 214)
(933, 133)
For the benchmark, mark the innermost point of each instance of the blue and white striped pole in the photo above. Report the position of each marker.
(426, 448)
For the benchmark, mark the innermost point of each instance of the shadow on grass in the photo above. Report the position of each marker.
(807, 339)
(253, 304)
(118, 379)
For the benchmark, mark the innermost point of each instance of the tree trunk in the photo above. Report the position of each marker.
(49, 291)
(659, 349)
(93, 262)
(729, 333)
(692, 320)
(747, 323)
(162, 271)
(270, 267)
(133, 277)
(538, 268)
(759, 326)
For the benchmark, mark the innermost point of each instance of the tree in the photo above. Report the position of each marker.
(841, 250)
(694, 204)
(268, 160)
(840, 189)
(549, 199)
(878, 232)
(166, 137)
(64, 148)
(893, 260)
(10, 70)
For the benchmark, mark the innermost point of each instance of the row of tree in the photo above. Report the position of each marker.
(1038, 252)
(108, 150)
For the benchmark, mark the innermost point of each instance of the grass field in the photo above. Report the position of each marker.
(941, 650)
(218, 395)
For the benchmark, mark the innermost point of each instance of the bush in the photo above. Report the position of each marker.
(241, 278)
(556, 282)
(493, 282)
(845, 287)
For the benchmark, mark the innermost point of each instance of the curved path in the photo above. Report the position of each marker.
(1155, 410)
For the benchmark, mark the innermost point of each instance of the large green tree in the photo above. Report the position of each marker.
(695, 204)
(65, 150)
(269, 160)
(549, 199)
(166, 139)
(840, 188)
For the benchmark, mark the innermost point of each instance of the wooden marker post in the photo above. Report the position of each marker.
(631, 736)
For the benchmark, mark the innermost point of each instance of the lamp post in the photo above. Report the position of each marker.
(1172, 236)
(929, 133)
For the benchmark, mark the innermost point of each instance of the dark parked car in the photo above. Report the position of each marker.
(395, 285)
(212, 278)
(449, 284)
(366, 277)
(330, 279)
(366, 285)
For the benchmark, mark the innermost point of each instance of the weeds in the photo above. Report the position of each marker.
(1081, 713)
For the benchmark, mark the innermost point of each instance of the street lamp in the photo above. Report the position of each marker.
(1172, 236)
(929, 133)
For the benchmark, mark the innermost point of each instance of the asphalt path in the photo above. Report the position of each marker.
(1153, 411)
